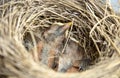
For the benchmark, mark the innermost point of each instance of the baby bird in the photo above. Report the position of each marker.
(71, 54)
(52, 41)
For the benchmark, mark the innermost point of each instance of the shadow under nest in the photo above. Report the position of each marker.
(30, 28)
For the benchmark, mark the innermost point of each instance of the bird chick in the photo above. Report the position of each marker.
(73, 57)
(70, 56)
(52, 42)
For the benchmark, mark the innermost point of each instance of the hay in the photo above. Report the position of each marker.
(95, 28)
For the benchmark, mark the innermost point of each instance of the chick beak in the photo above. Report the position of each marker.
(65, 28)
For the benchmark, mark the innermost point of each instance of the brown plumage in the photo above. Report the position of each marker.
(51, 43)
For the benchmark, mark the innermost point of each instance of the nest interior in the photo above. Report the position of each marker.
(94, 26)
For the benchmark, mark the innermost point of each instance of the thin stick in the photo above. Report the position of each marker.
(68, 37)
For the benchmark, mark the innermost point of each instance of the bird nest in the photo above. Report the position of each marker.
(93, 26)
